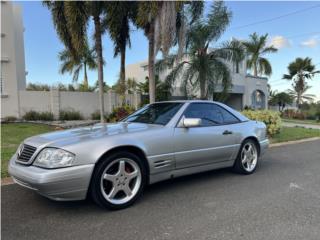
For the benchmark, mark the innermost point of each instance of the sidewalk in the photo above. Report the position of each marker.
(292, 124)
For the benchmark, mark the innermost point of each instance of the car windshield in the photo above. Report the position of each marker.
(157, 113)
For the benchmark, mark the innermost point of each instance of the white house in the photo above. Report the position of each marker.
(246, 90)
(13, 72)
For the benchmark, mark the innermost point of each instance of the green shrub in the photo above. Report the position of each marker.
(46, 116)
(35, 116)
(271, 118)
(31, 116)
(119, 113)
(70, 115)
(96, 115)
(10, 119)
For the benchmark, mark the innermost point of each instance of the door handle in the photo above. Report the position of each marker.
(226, 132)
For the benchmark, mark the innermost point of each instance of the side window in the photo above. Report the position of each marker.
(228, 117)
(210, 114)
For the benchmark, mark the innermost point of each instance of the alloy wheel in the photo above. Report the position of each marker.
(249, 156)
(120, 181)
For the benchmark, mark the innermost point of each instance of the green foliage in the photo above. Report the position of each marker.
(74, 65)
(36, 116)
(119, 113)
(163, 92)
(205, 68)
(96, 115)
(256, 48)
(10, 119)
(66, 115)
(299, 71)
(37, 87)
(271, 118)
(281, 99)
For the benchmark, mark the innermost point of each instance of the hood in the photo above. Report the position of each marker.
(67, 137)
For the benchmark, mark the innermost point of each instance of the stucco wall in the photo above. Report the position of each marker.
(12, 57)
(54, 101)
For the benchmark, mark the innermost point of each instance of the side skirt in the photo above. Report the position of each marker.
(188, 171)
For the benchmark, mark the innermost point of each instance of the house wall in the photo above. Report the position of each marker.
(252, 84)
(12, 58)
(84, 102)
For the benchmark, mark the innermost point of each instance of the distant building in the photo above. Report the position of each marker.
(246, 90)
(13, 72)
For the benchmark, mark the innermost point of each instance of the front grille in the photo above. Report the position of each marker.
(26, 152)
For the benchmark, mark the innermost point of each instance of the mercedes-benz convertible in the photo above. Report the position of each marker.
(113, 163)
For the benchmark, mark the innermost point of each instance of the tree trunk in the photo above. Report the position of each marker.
(85, 80)
(298, 99)
(123, 74)
(203, 90)
(255, 70)
(152, 84)
(98, 47)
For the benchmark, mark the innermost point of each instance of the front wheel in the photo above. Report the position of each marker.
(247, 159)
(118, 181)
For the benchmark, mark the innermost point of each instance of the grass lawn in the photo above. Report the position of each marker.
(314, 122)
(12, 134)
(294, 133)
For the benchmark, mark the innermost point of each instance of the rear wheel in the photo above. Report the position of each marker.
(118, 181)
(247, 159)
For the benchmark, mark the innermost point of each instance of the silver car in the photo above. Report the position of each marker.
(113, 163)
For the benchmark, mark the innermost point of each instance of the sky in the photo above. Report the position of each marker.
(294, 30)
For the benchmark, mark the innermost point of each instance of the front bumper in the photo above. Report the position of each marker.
(63, 184)
(264, 145)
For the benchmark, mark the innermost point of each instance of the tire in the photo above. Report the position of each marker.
(118, 180)
(247, 160)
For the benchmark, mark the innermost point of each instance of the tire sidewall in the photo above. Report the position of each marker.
(95, 188)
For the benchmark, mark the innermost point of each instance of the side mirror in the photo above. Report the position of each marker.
(191, 122)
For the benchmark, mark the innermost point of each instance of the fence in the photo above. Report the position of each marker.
(84, 102)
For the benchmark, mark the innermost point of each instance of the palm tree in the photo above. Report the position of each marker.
(256, 48)
(299, 71)
(71, 22)
(300, 95)
(163, 24)
(117, 21)
(204, 68)
(75, 65)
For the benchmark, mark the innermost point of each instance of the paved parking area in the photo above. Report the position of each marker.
(280, 201)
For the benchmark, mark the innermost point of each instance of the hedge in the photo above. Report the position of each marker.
(271, 118)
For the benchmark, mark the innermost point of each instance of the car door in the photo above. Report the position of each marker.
(214, 141)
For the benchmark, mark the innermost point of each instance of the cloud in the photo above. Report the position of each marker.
(279, 42)
(310, 43)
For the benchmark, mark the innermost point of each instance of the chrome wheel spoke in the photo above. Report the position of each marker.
(122, 167)
(113, 192)
(127, 190)
(132, 175)
(110, 177)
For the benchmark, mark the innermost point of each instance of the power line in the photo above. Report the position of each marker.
(276, 18)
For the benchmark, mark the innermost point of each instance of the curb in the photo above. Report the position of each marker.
(8, 180)
(293, 142)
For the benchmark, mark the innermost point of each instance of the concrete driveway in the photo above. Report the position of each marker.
(280, 201)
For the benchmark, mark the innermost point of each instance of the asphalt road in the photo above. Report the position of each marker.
(280, 201)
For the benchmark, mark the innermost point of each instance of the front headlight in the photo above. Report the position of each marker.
(54, 158)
